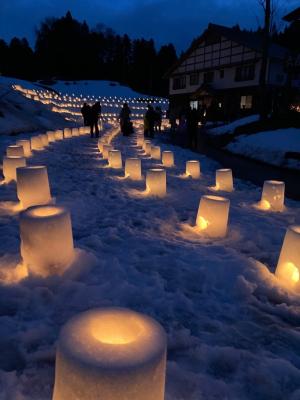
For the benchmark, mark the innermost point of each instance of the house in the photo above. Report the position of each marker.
(221, 71)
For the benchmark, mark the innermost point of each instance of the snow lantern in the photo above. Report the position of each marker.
(155, 152)
(156, 182)
(111, 354)
(36, 143)
(82, 130)
(46, 240)
(26, 147)
(67, 133)
(15, 151)
(147, 147)
(10, 165)
(115, 159)
(140, 141)
(193, 169)
(51, 136)
(133, 168)
(168, 158)
(224, 180)
(75, 132)
(44, 139)
(106, 149)
(59, 134)
(33, 186)
(212, 217)
(272, 196)
(288, 267)
(101, 142)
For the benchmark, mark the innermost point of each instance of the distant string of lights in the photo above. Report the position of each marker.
(70, 105)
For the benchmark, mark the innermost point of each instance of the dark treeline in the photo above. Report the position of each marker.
(68, 49)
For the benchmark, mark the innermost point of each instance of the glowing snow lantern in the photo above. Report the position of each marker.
(140, 141)
(168, 158)
(46, 240)
(224, 180)
(272, 196)
(67, 133)
(26, 147)
(212, 217)
(106, 149)
(288, 267)
(75, 132)
(111, 354)
(51, 136)
(36, 143)
(15, 151)
(82, 130)
(156, 182)
(33, 186)
(59, 134)
(133, 168)
(44, 139)
(147, 147)
(193, 169)
(115, 159)
(10, 165)
(155, 152)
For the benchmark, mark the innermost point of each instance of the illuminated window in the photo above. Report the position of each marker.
(246, 102)
(194, 104)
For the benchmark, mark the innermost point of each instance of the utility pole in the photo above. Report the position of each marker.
(266, 4)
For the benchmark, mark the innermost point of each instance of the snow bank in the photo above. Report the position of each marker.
(230, 128)
(270, 146)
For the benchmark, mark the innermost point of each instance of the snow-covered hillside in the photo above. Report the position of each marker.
(18, 114)
(233, 330)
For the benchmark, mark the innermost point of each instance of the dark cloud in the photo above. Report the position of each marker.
(177, 21)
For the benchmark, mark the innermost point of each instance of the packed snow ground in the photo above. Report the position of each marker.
(270, 146)
(233, 331)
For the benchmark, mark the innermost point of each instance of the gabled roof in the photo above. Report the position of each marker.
(252, 40)
(292, 16)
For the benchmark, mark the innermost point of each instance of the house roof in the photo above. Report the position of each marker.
(252, 40)
(292, 16)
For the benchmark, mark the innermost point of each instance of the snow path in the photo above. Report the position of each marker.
(233, 331)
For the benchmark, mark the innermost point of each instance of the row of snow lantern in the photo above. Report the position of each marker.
(116, 353)
(16, 154)
(46, 231)
(213, 213)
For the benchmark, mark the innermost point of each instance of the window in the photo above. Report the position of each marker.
(194, 104)
(222, 73)
(194, 79)
(245, 73)
(246, 102)
(179, 82)
(208, 77)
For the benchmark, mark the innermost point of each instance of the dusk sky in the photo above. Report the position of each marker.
(177, 21)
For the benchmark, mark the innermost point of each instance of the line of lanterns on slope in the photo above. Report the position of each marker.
(117, 353)
(69, 104)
